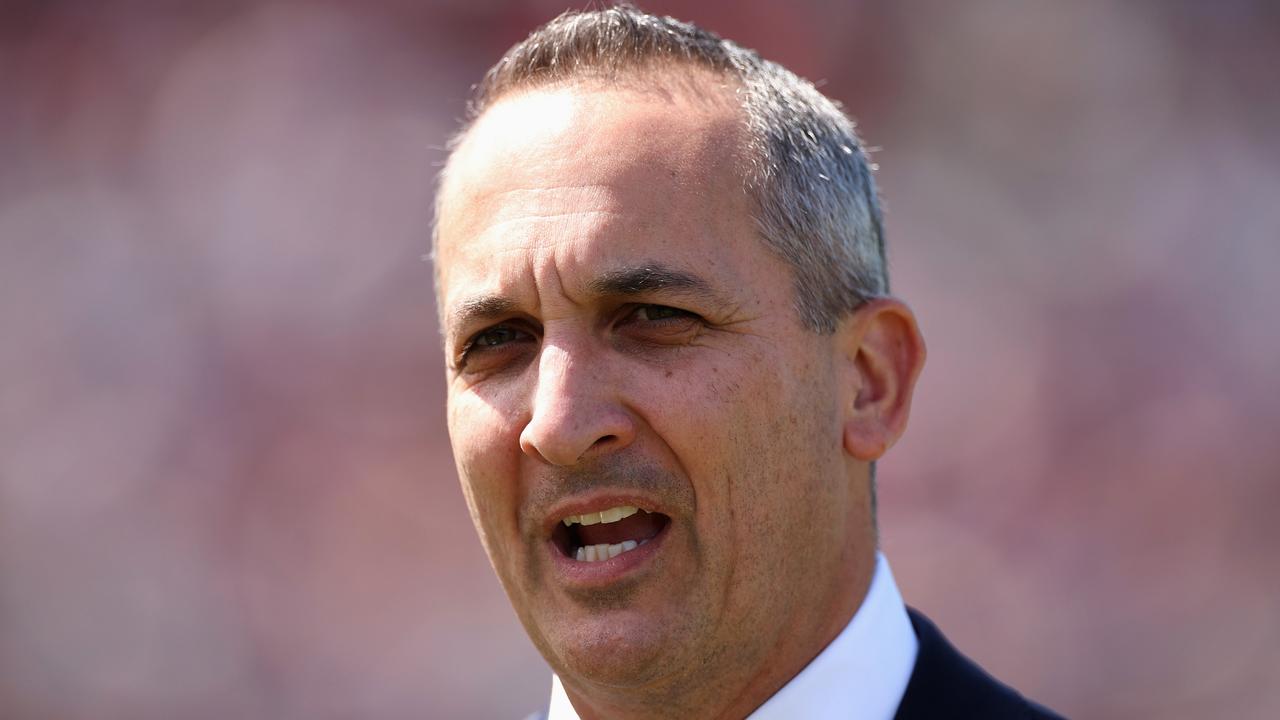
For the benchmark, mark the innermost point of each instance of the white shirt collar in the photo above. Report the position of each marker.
(861, 675)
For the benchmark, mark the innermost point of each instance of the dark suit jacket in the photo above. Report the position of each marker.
(946, 684)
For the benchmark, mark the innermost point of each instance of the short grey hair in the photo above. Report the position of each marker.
(807, 171)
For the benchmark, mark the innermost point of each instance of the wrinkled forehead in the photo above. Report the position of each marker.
(665, 88)
(641, 151)
(615, 122)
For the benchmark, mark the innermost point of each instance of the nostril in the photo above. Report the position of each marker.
(566, 435)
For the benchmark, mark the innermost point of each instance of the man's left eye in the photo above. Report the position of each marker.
(657, 313)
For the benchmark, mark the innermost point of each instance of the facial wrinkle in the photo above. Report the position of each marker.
(612, 472)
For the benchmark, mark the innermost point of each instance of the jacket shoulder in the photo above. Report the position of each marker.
(946, 684)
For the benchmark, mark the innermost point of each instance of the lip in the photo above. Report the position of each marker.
(595, 502)
(589, 575)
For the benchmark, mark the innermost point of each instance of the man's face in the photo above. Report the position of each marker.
(619, 337)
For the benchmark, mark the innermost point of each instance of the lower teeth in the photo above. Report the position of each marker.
(597, 553)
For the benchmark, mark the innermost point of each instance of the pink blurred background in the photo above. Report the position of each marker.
(225, 482)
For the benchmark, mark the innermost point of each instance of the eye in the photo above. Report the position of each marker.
(659, 325)
(659, 313)
(493, 337)
(493, 347)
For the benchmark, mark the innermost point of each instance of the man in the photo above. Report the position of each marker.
(673, 363)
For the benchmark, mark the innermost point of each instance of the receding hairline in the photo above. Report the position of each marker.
(667, 78)
(670, 79)
(641, 74)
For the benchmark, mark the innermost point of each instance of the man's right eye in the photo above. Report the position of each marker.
(494, 337)
(488, 348)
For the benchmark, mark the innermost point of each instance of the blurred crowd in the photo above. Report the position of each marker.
(225, 483)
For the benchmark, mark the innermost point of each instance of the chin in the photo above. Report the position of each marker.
(614, 648)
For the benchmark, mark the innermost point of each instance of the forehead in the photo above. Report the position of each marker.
(688, 119)
(590, 173)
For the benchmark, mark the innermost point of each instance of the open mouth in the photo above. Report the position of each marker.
(598, 536)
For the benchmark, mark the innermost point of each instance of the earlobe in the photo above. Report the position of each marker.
(882, 353)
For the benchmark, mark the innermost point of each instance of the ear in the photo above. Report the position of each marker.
(881, 355)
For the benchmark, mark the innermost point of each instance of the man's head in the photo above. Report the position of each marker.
(662, 288)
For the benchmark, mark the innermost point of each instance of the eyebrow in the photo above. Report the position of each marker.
(622, 282)
(483, 307)
(648, 278)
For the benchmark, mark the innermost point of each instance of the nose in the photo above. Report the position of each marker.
(576, 410)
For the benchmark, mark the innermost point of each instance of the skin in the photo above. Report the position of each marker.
(707, 399)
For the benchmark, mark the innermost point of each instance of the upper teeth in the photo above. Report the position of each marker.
(613, 514)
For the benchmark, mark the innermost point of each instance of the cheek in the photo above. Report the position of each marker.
(486, 451)
(727, 425)
(758, 444)
(732, 412)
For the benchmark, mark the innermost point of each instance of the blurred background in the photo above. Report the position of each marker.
(225, 482)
